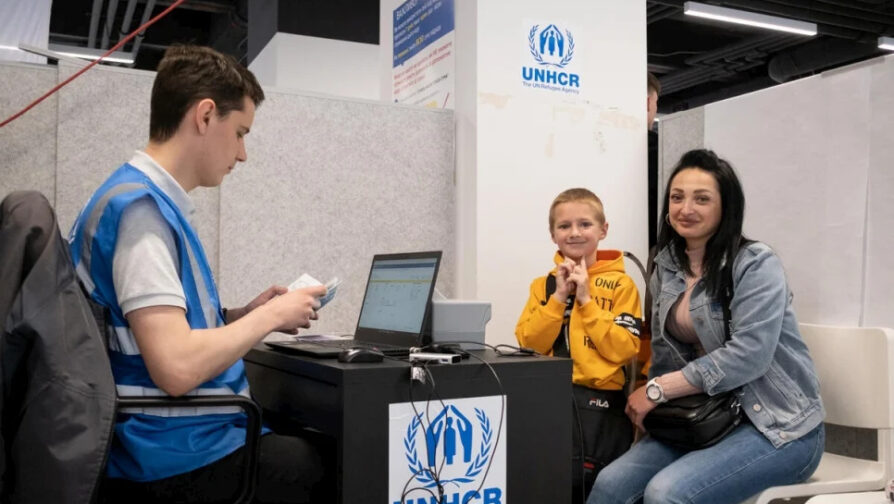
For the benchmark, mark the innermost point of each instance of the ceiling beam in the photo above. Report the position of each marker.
(94, 22)
(216, 7)
(108, 26)
(128, 19)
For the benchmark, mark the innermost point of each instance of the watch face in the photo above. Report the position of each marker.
(653, 393)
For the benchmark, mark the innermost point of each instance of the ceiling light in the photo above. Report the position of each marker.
(886, 43)
(92, 54)
(72, 53)
(9, 47)
(748, 18)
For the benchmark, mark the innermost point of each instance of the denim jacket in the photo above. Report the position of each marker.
(765, 357)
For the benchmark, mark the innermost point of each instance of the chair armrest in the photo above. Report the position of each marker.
(252, 430)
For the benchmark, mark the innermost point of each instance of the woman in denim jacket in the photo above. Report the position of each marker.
(781, 437)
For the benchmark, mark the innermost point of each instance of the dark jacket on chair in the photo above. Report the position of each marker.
(58, 395)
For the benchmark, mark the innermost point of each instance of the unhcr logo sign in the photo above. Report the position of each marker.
(551, 50)
(456, 447)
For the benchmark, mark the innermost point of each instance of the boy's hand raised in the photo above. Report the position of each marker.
(564, 285)
(581, 281)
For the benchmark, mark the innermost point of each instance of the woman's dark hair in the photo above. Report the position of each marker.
(722, 247)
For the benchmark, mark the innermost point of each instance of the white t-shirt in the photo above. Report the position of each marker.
(144, 267)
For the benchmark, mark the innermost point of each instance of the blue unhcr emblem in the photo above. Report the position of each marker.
(444, 430)
(551, 46)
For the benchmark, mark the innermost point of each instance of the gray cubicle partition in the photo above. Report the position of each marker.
(327, 184)
(28, 146)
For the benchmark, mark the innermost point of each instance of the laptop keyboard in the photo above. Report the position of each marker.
(389, 350)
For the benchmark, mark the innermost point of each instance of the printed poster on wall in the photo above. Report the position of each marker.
(423, 62)
(460, 443)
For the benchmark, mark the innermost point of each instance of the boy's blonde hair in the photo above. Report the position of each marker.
(576, 194)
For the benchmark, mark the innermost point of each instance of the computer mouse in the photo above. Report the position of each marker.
(360, 355)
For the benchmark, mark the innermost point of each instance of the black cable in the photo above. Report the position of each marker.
(418, 416)
(496, 348)
(444, 452)
(499, 427)
(433, 391)
(514, 350)
(435, 475)
(405, 492)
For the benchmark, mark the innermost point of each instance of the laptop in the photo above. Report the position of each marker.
(395, 313)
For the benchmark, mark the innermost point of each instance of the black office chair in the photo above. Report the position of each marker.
(59, 401)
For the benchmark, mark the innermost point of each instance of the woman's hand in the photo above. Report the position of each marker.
(638, 406)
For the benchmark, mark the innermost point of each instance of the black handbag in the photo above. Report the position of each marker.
(696, 421)
(699, 420)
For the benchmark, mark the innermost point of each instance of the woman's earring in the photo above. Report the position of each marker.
(667, 219)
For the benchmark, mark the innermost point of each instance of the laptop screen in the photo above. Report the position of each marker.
(398, 297)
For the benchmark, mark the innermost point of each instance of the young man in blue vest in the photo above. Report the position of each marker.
(136, 250)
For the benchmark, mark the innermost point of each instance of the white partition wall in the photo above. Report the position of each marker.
(318, 65)
(815, 158)
(879, 274)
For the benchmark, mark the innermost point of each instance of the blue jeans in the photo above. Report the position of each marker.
(742, 465)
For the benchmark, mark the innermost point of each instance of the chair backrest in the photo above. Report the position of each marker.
(634, 368)
(855, 375)
(57, 397)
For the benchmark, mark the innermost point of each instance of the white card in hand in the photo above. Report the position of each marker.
(306, 280)
(303, 281)
(331, 287)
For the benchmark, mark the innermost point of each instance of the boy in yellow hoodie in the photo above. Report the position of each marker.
(588, 309)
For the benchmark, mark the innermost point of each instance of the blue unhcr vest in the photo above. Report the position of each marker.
(156, 444)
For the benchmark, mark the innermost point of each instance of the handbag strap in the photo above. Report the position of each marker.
(728, 288)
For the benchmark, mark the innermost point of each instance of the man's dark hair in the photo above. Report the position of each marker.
(723, 245)
(654, 84)
(188, 74)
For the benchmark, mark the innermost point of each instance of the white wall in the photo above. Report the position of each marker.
(532, 144)
(518, 147)
(815, 157)
(318, 65)
(789, 148)
(24, 23)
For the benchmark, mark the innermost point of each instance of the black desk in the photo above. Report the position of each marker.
(351, 403)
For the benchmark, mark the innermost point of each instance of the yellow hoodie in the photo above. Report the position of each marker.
(599, 348)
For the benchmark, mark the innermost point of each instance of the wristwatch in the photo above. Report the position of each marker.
(655, 392)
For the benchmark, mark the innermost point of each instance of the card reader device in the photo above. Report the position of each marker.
(437, 358)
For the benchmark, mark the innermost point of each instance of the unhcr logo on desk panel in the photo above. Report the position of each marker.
(455, 448)
(551, 50)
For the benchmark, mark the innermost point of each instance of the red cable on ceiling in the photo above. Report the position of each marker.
(88, 67)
